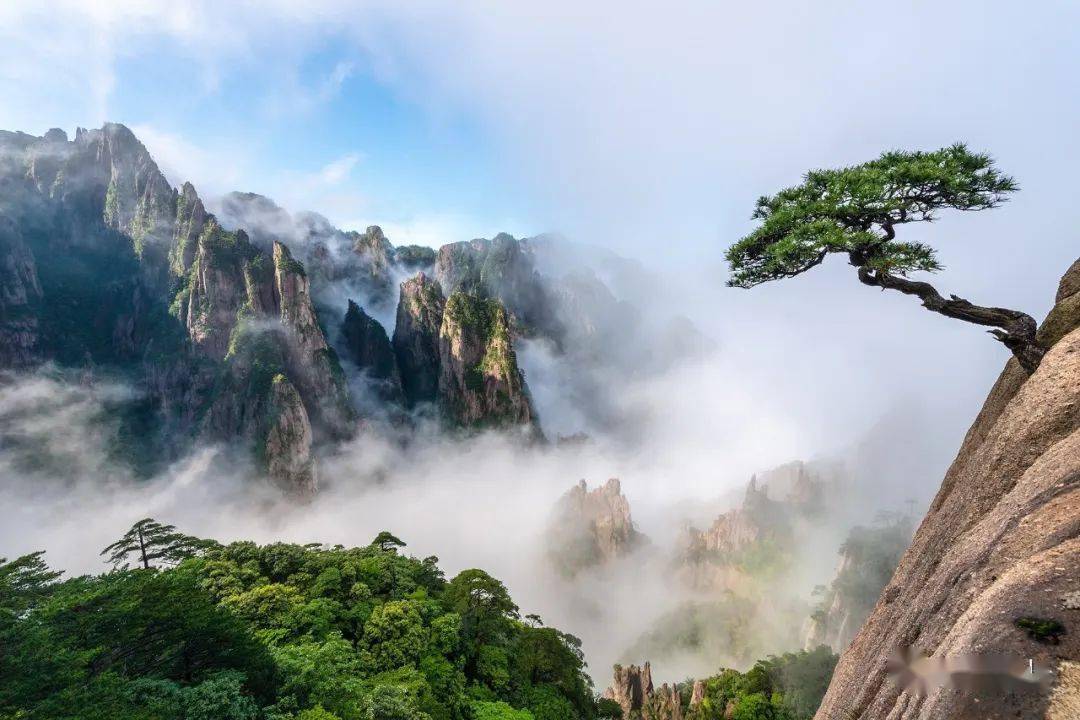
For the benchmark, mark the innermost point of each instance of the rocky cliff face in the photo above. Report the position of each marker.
(191, 219)
(226, 269)
(416, 338)
(377, 260)
(1000, 543)
(480, 384)
(20, 292)
(632, 688)
(233, 283)
(368, 347)
(591, 528)
(501, 268)
(288, 441)
(142, 278)
(312, 361)
(713, 559)
(458, 355)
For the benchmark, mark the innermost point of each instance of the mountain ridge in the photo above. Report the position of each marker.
(223, 331)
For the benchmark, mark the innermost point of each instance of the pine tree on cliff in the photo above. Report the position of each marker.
(856, 211)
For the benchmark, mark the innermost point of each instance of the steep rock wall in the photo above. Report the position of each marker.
(480, 383)
(1000, 542)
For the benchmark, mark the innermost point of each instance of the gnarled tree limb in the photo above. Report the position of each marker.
(1012, 327)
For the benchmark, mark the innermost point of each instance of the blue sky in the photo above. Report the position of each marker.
(307, 122)
(332, 137)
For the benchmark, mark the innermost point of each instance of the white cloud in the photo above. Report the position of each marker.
(337, 171)
(182, 160)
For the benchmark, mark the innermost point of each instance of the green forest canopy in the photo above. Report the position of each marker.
(311, 632)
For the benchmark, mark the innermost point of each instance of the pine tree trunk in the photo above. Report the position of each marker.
(142, 551)
(1016, 330)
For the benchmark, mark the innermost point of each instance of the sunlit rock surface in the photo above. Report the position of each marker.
(1001, 542)
(591, 528)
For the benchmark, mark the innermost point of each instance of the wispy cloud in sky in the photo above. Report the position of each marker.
(336, 171)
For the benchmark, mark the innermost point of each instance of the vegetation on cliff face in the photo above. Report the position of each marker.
(366, 344)
(142, 283)
(241, 631)
(485, 321)
(502, 269)
(867, 560)
(480, 384)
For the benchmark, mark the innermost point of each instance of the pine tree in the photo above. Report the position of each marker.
(857, 210)
(152, 542)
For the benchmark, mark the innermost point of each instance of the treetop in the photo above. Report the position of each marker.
(856, 209)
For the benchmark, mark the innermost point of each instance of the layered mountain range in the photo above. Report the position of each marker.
(739, 588)
(257, 328)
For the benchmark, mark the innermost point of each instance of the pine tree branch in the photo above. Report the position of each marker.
(1015, 329)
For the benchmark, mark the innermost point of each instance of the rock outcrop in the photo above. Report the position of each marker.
(377, 259)
(368, 347)
(501, 268)
(712, 559)
(632, 688)
(1000, 543)
(631, 685)
(416, 338)
(458, 356)
(312, 362)
(697, 694)
(480, 384)
(288, 441)
(191, 218)
(591, 528)
(225, 272)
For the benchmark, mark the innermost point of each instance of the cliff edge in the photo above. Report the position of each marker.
(1000, 544)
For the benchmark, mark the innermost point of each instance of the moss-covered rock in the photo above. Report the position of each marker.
(504, 269)
(480, 384)
(416, 338)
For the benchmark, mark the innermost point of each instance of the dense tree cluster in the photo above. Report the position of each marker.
(785, 687)
(242, 631)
